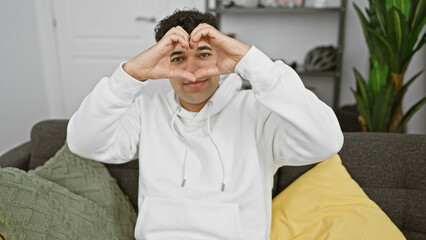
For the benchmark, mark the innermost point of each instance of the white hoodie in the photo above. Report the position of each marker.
(207, 175)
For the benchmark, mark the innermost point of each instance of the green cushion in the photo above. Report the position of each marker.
(67, 198)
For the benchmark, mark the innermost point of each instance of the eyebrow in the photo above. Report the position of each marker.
(200, 48)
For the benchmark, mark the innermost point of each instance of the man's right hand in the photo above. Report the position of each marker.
(154, 63)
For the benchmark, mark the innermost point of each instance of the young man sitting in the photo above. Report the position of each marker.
(208, 150)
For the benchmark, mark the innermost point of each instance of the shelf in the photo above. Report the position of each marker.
(337, 11)
(260, 10)
(325, 74)
(302, 72)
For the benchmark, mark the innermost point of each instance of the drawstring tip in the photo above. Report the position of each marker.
(223, 187)
(183, 182)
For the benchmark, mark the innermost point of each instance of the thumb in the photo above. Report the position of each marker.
(207, 72)
(182, 74)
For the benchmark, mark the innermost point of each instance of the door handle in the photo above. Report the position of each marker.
(145, 19)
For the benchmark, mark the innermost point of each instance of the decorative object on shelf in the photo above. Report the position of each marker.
(391, 30)
(320, 3)
(246, 3)
(281, 3)
(226, 3)
(269, 3)
(292, 64)
(322, 58)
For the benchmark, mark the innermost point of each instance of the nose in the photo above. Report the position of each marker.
(192, 65)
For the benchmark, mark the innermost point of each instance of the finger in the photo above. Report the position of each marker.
(174, 39)
(178, 31)
(199, 27)
(207, 72)
(183, 33)
(178, 73)
(202, 31)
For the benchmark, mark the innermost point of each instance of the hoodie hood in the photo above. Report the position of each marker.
(229, 85)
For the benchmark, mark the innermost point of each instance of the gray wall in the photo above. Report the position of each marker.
(23, 93)
(22, 90)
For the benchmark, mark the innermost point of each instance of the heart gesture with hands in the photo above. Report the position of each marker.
(155, 63)
(229, 50)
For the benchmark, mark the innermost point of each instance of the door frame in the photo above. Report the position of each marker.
(50, 58)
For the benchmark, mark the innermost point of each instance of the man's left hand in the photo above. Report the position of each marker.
(229, 50)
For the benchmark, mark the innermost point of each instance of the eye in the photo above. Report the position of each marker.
(204, 55)
(177, 59)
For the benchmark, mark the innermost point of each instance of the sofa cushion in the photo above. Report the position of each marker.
(326, 203)
(47, 137)
(69, 197)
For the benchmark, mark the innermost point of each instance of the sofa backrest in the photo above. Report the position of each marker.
(391, 168)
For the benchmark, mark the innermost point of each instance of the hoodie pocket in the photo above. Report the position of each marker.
(163, 218)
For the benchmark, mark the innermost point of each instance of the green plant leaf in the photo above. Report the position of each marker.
(385, 48)
(417, 13)
(380, 11)
(382, 108)
(397, 28)
(410, 54)
(410, 114)
(403, 5)
(363, 109)
(421, 43)
(398, 36)
(413, 39)
(378, 76)
(362, 88)
(415, 33)
(389, 4)
(364, 25)
(406, 9)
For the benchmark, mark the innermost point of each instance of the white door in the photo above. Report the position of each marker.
(94, 36)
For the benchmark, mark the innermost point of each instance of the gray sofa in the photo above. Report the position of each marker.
(391, 168)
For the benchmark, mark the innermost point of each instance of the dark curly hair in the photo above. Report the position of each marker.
(187, 19)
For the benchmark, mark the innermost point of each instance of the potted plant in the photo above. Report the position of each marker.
(391, 29)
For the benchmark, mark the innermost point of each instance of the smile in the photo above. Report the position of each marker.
(195, 84)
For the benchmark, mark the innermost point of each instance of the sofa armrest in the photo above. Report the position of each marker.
(17, 157)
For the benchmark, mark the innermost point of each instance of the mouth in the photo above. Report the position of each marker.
(195, 84)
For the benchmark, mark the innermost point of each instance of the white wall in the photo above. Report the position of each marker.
(22, 90)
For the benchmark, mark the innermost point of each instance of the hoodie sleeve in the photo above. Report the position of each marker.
(107, 124)
(300, 128)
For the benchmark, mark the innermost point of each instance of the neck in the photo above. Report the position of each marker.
(192, 107)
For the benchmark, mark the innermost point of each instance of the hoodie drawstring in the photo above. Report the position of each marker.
(214, 143)
(184, 168)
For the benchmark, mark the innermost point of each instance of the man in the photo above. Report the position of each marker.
(208, 150)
